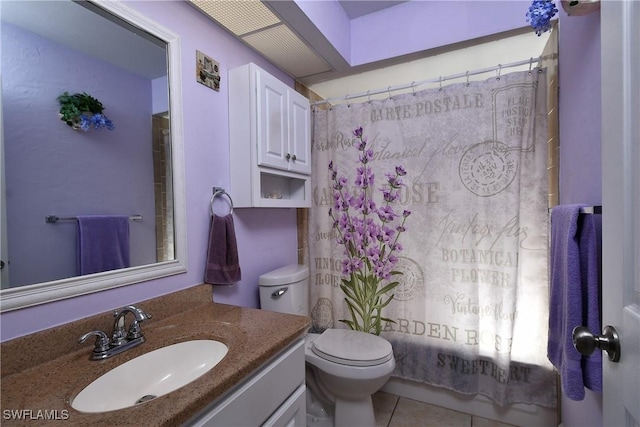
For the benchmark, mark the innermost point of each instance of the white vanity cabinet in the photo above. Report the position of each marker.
(269, 141)
(273, 396)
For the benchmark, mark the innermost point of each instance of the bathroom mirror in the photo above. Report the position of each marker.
(131, 65)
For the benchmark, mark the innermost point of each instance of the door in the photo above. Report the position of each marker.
(299, 133)
(273, 137)
(620, 33)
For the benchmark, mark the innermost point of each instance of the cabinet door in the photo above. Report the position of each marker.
(299, 133)
(292, 413)
(273, 137)
(276, 388)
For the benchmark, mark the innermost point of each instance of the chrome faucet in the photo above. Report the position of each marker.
(121, 338)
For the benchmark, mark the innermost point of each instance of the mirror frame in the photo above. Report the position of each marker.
(40, 293)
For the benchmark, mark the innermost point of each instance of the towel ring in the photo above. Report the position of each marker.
(219, 191)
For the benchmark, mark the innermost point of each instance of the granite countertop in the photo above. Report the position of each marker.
(253, 337)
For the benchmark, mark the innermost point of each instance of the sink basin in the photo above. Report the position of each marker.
(150, 375)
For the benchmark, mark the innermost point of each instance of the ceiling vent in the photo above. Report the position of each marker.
(257, 26)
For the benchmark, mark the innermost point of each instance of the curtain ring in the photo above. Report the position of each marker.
(467, 78)
(369, 96)
(389, 91)
(499, 69)
(539, 65)
(413, 87)
(440, 83)
(530, 64)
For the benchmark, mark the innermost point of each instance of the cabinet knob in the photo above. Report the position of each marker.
(293, 157)
(288, 156)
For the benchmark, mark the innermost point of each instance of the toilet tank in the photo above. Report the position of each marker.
(286, 290)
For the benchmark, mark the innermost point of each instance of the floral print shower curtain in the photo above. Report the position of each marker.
(470, 312)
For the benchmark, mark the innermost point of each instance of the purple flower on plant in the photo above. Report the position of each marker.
(364, 177)
(394, 180)
(82, 111)
(340, 183)
(97, 120)
(387, 214)
(85, 122)
(369, 235)
(539, 15)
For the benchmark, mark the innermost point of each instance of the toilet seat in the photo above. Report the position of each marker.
(352, 348)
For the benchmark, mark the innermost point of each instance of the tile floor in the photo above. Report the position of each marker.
(393, 411)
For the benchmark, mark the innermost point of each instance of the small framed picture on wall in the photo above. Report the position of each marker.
(207, 71)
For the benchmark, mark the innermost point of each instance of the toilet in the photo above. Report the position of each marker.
(344, 367)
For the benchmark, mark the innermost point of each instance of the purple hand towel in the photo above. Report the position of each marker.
(103, 243)
(573, 299)
(222, 266)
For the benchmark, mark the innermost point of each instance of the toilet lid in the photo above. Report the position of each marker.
(352, 348)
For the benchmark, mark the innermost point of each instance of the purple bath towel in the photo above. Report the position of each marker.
(574, 299)
(103, 243)
(222, 265)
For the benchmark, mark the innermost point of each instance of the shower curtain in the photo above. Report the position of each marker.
(470, 312)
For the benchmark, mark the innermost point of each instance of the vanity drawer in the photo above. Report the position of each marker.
(292, 413)
(254, 400)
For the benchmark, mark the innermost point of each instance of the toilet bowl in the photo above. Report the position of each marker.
(344, 367)
(348, 367)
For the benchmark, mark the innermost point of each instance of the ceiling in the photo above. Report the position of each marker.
(276, 29)
(358, 8)
(284, 35)
(294, 34)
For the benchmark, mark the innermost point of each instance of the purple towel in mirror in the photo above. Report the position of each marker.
(103, 243)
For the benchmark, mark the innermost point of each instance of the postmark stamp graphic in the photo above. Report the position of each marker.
(488, 168)
(322, 314)
(411, 280)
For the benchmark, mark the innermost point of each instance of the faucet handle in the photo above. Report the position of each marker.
(120, 335)
(143, 314)
(139, 314)
(102, 341)
(134, 330)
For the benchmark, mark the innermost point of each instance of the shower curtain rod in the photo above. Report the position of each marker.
(440, 79)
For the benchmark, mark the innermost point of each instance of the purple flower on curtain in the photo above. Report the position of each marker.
(370, 236)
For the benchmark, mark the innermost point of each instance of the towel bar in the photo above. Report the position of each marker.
(588, 210)
(52, 219)
(219, 191)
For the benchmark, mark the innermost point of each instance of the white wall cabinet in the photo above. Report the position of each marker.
(273, 396)
(269, 141)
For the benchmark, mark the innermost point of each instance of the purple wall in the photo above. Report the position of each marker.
(266, 237)
(419, 25)
(53, 170)
(579, 65)
(580, 150)
(410, 27)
